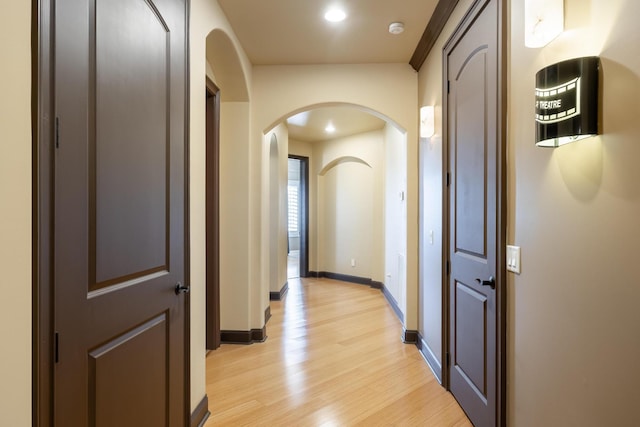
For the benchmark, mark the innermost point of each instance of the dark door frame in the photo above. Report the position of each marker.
(43, 287)
(42, 110)
(212, 214)
(501, 213)
(304, 223)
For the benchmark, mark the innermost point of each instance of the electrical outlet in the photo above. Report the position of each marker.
(353, 262)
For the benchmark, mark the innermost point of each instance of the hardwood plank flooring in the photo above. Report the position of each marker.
(333, 357)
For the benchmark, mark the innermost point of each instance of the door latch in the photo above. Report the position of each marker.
(490, 283)
(181, 289)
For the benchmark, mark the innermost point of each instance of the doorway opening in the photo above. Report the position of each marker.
(297, 217)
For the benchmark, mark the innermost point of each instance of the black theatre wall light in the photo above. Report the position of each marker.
(567, 101)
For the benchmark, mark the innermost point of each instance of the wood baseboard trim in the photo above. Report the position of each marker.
(409, 337)
(393, 303)
(200, 415)
(377, 285)
(347, 278)
(429, 357)
(259, 335)
(267, 314)
(244, 337)
(277, 296)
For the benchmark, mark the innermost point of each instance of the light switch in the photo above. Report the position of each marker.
(513, 258)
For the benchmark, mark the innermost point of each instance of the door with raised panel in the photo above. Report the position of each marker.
(119, 213)
(472, 126)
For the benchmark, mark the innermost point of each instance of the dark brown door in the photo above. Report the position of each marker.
(213, 215)
(119, 213)
(472, 126)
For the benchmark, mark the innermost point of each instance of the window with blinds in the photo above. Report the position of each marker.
(293, 207)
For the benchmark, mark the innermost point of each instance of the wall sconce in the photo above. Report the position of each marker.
(427, 121)
(543, 21)
(567, 99)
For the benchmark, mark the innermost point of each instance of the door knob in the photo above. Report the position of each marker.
(181, 289)
(490, 283)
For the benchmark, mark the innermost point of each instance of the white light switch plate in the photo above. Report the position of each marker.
(513, 258)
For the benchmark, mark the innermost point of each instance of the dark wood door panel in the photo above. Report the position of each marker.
(128, 377)
(130, 143)
(119, 185)
(470, 337)
(471, 159)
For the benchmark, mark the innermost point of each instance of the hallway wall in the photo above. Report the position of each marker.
(573, 343)
(395, 215)
(278, 180)
(573, 315)
(15, 214)
(430, 93)
(206, 16)
(350, 197)
(389, 89)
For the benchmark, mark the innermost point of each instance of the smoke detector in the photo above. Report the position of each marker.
(396, 28)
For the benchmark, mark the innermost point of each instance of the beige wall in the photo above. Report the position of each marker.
(15, 214)
(235, 130)
(350, 204)
(572, 321)
(395, 214)
(430, 93)
(573, 318)
(277, 171)
(386, 89)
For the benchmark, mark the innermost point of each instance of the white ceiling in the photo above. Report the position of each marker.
(309, 126)
(293, 32)
(286, 32)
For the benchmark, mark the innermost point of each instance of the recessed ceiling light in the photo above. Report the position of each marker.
(330, 128)
(335, 15)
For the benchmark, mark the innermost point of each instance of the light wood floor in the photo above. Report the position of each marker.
(333, 357)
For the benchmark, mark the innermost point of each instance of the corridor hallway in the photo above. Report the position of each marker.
(333, 357)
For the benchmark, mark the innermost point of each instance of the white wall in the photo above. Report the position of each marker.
(395, 214)
(430, 93)
(15, 213)
(388, 89)
(573, 318)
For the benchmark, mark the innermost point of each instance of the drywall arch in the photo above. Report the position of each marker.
(230, 77)
(344, 159)
(371, 111)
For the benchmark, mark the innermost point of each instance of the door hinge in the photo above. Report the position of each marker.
(56, 354)
(448, 359)
(448, 267)
(448, 179)
(448, 86)
(56, 135)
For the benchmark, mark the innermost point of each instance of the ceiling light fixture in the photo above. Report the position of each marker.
(330, 128)
(543, 21)
(335, 15)
(396, 28)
